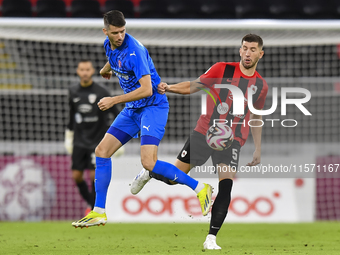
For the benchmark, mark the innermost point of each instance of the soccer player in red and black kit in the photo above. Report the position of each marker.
(87, 126)
(196, 151)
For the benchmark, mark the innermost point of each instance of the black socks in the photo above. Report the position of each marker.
(84, 192)
(220, 207)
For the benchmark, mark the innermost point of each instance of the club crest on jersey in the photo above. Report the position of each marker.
(253, 89)
(223, 108)
(119, 63)
(92, 98)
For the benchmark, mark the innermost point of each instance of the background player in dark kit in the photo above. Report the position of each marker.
(87, 126)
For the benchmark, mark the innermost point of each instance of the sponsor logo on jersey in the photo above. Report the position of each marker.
(92, 98)
(91, 119)
(121, 75)
(84, 108)
(76, 99)
(146, 127)
(78, 118)
(133, 54)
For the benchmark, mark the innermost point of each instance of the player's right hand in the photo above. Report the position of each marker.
(105, 75)
(162, 88)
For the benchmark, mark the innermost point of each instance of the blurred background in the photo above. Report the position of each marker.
(192, 9)
(42, 41)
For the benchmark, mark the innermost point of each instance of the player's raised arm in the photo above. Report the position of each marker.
(186, 87)
(145, 90)
(256, 131)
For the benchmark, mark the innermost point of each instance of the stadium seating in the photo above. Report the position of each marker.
(85, 9)
(218, 9)
(206, 9)
(16, 8)
(315, 9)
(125, 6)
(152, 9)
(249, 9)
(286, 9)
(184, 9)
(51, 8)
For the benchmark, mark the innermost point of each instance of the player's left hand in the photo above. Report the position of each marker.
(106, 103)
(256, 158)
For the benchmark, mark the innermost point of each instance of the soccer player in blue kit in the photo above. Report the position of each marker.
(146, 111)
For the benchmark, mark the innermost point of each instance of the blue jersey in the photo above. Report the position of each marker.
(130, 62)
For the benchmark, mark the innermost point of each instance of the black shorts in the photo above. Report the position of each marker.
(196, 152)
(83, 158)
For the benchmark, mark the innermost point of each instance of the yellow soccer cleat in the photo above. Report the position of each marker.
(204, 196)
(92, 219)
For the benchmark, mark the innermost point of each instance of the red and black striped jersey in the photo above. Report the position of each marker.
(230, 73)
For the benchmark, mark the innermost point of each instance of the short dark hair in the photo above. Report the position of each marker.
(84, 60)
(114, 18)
(253, 38)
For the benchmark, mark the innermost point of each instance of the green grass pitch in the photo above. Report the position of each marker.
(177, 238)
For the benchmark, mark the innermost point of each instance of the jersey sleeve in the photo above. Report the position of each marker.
(138, 62)
(71, 111)
(259, 104)
(212, 75)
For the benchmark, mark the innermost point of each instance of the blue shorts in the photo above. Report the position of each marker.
(150, 121)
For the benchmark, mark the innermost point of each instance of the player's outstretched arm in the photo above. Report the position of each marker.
(186, 87)
(106, 71)
(256, 132)
(145, 90)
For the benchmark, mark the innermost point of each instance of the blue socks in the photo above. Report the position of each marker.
(104, 172)
(174, 174)
(102, 180)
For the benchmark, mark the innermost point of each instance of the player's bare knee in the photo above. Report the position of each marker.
(77, 176)
(101, 152)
